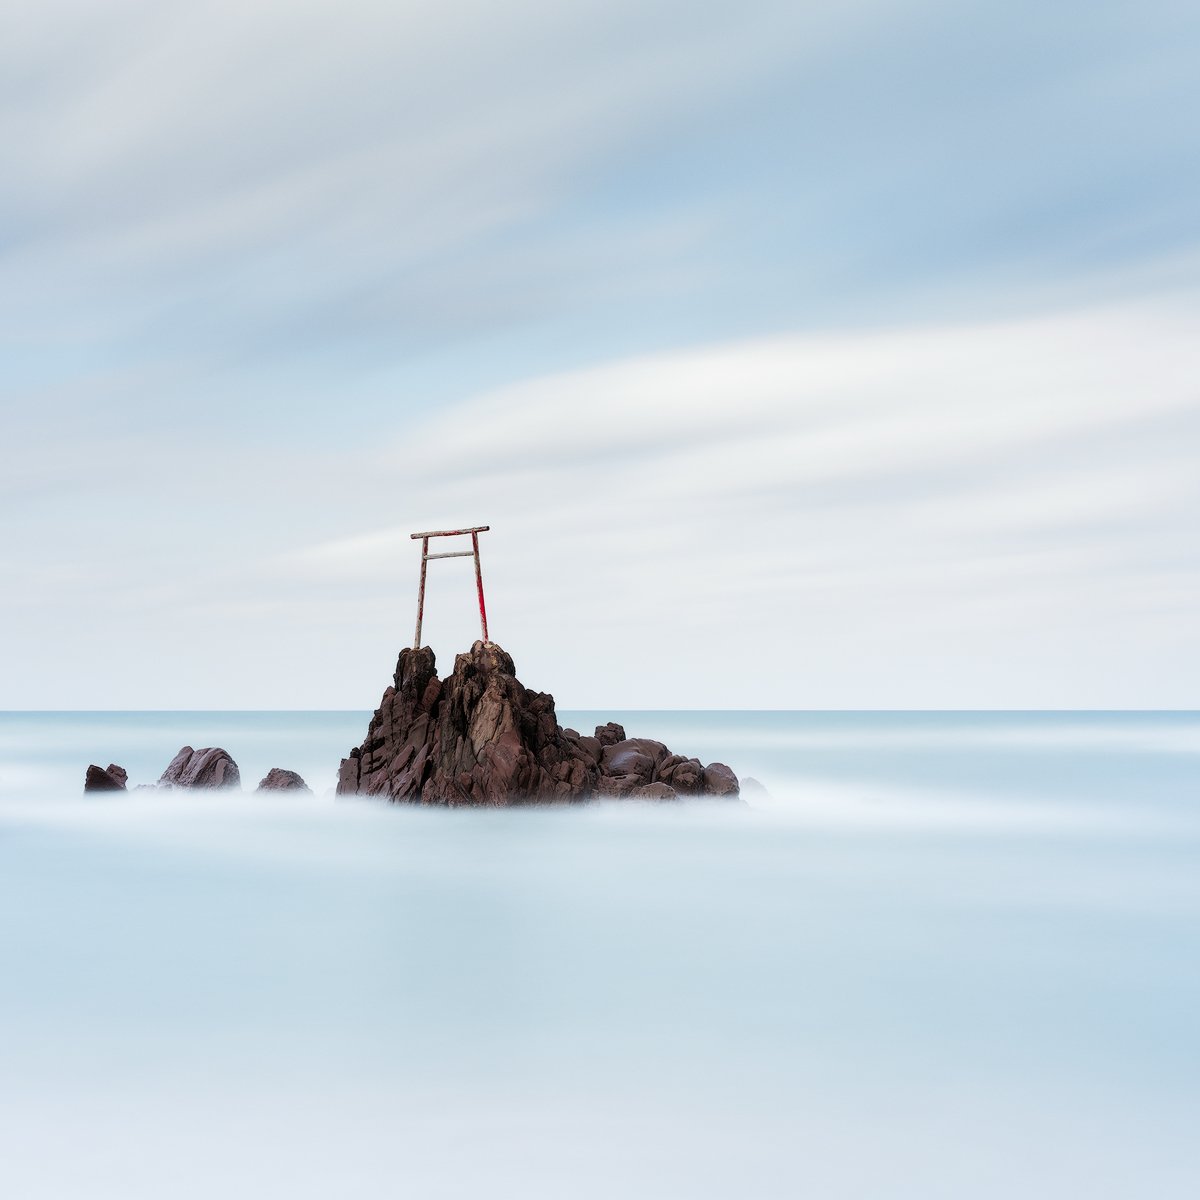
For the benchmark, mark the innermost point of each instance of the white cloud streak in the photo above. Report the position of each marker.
(962, 516)
(266, 269)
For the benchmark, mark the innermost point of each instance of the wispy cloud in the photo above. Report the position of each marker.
(725, 317)
(916, 518)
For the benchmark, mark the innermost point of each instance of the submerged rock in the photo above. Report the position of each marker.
(105, 779)
(279, 780)
(481, 737)
(210, 767)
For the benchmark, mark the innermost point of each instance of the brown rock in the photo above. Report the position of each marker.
(347, 783)
(628, 758)
(653, 791)
(210, 767)
(685, 776)
(279, 780)
(591, 749)
(100, 779)
(618, 785)
(719, 780)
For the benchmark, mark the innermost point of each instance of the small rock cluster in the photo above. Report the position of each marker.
(479, 737)
(210, 767)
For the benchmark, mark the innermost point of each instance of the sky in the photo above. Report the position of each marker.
(799, 355)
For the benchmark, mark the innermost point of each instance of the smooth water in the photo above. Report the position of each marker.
(943, 955)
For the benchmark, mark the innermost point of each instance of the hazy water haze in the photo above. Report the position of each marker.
(949, 953)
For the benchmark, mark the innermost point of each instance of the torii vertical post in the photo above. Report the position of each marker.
(474, 531)
(479, 585)
(421, 593)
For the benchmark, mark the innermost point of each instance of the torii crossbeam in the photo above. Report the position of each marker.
(474, 532)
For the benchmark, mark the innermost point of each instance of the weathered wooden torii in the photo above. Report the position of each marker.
(474, 532)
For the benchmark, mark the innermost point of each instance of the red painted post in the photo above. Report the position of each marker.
(479, 585)
(474, 531)
(421, 591)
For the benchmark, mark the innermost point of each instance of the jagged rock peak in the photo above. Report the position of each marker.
(481, 737)
(210, 767)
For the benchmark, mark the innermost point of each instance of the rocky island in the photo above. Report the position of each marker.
(480, 737)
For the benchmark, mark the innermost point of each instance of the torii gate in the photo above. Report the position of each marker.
(474, 531)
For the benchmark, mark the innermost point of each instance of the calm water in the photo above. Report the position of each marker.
(943, 955)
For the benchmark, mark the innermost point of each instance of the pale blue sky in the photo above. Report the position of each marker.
(857, 342)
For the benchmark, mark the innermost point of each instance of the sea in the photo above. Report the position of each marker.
(929, 955)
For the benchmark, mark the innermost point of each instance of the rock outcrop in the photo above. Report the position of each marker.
(105, 779)
(279, 780)
(479, 737)
(208, 768)
(211, 767)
